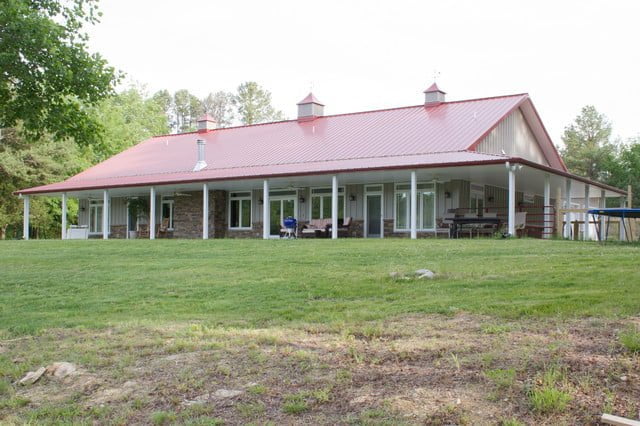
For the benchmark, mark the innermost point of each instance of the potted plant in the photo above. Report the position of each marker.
(138, 207)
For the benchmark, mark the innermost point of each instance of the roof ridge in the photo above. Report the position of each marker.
(344, 114)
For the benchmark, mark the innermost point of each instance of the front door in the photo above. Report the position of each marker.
(280, 209)
(373, 215)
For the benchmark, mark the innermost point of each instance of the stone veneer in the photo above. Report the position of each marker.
(187, 215)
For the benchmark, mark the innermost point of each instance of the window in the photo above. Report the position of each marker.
(240, 210)
(95, 217)
(167, 211)
(321, 203)
(476, 198)
(426, 206)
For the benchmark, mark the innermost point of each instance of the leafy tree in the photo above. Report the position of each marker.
(587, 148)
(253, 104)
(187, 108)
(24, 164)
(624, 169)
(220, 106)
(128, 118)
(165, 100)
(47, 76)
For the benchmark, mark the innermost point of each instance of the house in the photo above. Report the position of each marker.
(395, 172)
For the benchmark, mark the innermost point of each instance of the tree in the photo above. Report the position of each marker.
(187, 108)
(47, 76)
(24, 164)
(220, 106)
(625, 168)
(128, 118)
(587, 148)
(165, 100)
(253, 104)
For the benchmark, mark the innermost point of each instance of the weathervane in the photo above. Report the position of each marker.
(436, 74)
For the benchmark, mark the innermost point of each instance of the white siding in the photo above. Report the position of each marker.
(515, 138)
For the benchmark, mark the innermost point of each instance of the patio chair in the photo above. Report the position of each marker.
(521, 223)
(163, 229)
(343, 230)
(447, 222)
(488, 229)
(470, 226)
(316, 228)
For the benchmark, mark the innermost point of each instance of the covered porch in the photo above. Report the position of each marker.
(411, 203)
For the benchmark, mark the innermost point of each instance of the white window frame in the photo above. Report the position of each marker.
(341, 191)
(420, 218)
(248, 196)
(94, 204)
(476, 193)
(368, 192)
(171, 203)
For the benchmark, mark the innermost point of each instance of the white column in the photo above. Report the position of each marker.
(266, 218)
(25, 224)
(205, 211)
(567, 205)
(105, 215)
(547, 206)
(603, 204)
(587, 231)
(63, 207)
(414, 206)
(623, 232)
(334, 207)
(512, 202)
(152, 213)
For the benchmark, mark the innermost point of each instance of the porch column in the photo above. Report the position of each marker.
(623, 233)
(266, 219)
(205, 211)
(414, 206)
(64, 216)
(547, 206)
(334, 207)
(603, 204)
(152, 213)
(512, 201)
(567, 205)
(587, 231)
(25, 224)
(105, 215)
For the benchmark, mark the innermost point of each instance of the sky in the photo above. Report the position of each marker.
(364, 55)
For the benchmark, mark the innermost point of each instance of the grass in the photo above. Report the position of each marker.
(630, 339)
(549, 397)
(253, 283)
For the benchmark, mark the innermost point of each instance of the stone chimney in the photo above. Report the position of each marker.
(310, 108)
(201, 163)
(206, 122)
(433, 95)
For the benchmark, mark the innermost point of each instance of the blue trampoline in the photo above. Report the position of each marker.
(621, 212)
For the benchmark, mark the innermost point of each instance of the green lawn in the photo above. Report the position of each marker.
(253, 283)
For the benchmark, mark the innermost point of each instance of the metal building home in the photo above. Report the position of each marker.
(408, 171)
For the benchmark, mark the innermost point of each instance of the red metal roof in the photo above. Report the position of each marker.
(310, 99)
(390, 138)
(434, 88)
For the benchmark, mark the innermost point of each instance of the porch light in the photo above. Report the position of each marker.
(352, 197)
(301, 199)
(260, 201)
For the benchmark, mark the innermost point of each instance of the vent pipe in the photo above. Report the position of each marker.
(201, 164)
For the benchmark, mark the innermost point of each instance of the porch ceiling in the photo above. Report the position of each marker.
(528, 179)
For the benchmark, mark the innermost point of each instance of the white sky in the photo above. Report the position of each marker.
(362, 55)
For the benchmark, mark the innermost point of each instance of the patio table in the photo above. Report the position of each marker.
(457, 222)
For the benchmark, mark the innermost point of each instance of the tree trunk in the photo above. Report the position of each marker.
(3, 232)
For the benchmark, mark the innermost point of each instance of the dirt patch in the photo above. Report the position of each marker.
(420, 369)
